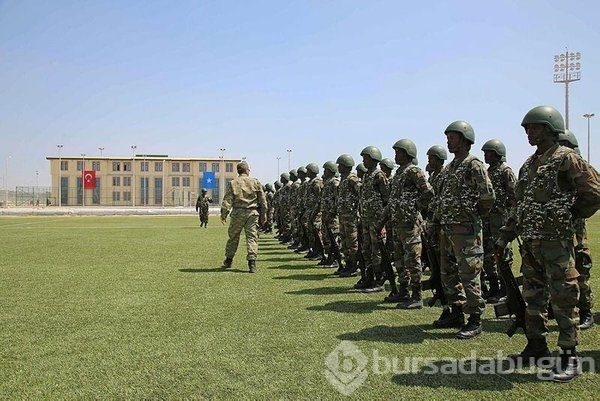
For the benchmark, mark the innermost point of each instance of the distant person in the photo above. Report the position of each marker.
(245, 200)
(202, 204)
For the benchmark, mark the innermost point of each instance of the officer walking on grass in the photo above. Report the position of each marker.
(245, 200)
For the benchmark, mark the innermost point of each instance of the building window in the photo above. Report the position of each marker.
(126, 181)
(79, 165)
(202, 167)
(144, 166)
(174, 181)
(64, 165)
(175, 167)
(116, 196)
(185, 181)
(127, 196)
(185, 167)
(116, 166)
(126, 166)
(229, 168)
(96, 166)
(116, 181)
(158, 190)
(158, 166)
(215, 167)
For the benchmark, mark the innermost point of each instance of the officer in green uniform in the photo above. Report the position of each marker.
(555, 186)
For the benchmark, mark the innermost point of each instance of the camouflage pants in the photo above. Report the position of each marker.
(247, 220)
(549, 274)
(349, 237)
(491, 232)
(408, 247)
(583, 263)
(461, 280)
(331, 223)
(203, 215)
(370, 246)
(313, 229)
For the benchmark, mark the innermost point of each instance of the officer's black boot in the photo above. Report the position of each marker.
(350, 270)
(252, 266)
(227, 263)
(567, 366)
(586, 319)
(414, 302)
(493, 294)
(326, 261)
(456, 318)
(471, 329)
(400, 296)
(536, 349)
(377, 285)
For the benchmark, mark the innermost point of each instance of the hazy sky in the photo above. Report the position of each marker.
(322, 78)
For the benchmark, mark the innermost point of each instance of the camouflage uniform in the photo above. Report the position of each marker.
(285, 212)
(314, 187)
(202, 204)
(410, 192)
(329, 199)
(374, 197)
(553, 188)
(347, 207)
(244, 197)
(583, 264)
(466, 189)
(270, 209)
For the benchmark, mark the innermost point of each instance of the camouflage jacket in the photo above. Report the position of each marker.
(348, 193)
(243, 192)
(503, 181)
(312, 197)
(466, 192)
(554, 188)
(329, 198)
(435, 182)
(374, 195)
(410, 192)
(202, 203)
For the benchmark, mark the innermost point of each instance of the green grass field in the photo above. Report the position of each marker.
(138, 307)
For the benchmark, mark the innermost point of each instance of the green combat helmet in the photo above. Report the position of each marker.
(388, 163)
(496, 146)
(463, 128)
(546, 115)
(361, 167)
(269, 187)
(373, 152)
(415, 161)
(408, 145)
(293, 174)
(568, 138)
(438, 151)
(285, 176)
(301, 170)
(313, 168)
(345, 160)
(278, 184)
(331, 166)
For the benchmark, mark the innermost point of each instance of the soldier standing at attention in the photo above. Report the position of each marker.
(329, 212)
(555, 187)
(347, 208)
(202, 204)
(503, 181)
(269, 194)
(244, 198)
(466, 195)
(583, 255)
(313, 215)
(374, 196)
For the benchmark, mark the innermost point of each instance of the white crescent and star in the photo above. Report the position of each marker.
(87, 177)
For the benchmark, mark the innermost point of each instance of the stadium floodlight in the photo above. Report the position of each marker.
(567, 68)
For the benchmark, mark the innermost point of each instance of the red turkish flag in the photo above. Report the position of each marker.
(89, 179)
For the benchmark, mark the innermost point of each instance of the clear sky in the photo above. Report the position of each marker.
(322, 78)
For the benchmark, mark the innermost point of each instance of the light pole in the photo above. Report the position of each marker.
(6, 183)
(222, 175)
(567, 68)
(101, 149)
(278, 171)
(133, 148)
(59, 174)
(83, 179)
(289, 152)
(36, 189)
(589, 117)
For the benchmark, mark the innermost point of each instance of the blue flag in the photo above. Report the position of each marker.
(208, 180)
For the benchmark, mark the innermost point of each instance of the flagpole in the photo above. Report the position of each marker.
(83, 180)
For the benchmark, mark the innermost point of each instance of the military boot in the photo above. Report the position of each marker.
(414, 302)
(586, 319)
(350, 270)
(455, 318)
(326, 261)
(377, 285)
(400, 296)
(567, 367)
(493, 295)
(536, 349)
(363, 283)
(252, 266)
(471, 329)
(227, 263)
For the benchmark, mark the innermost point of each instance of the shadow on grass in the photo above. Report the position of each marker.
(405, 334)
(291, 267)
(304, 277)
(322, 291)
(213, 270)
(359, 307)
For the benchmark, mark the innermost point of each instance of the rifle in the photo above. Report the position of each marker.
(514, 304)
(434, 283)
(361, 259)
(387, 264)
(335, 249)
